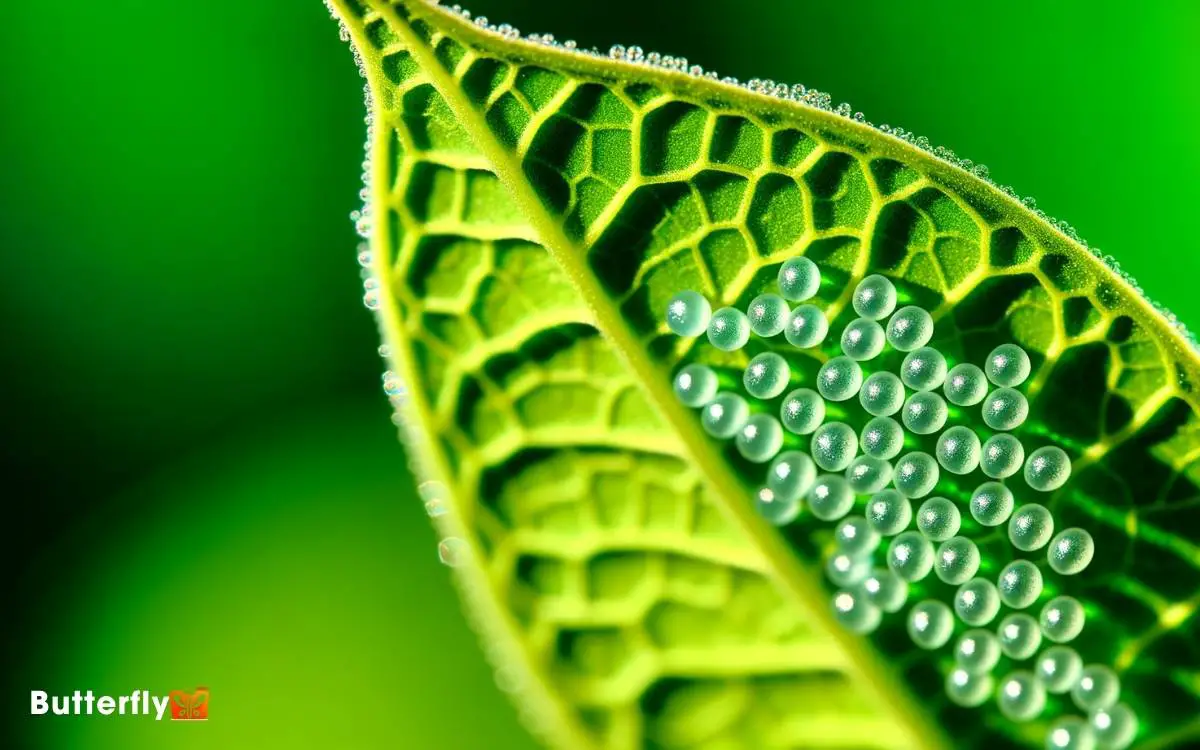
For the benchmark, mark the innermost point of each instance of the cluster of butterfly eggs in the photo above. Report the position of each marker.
(867, 592)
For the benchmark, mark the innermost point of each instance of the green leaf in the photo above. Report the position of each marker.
(533, 209)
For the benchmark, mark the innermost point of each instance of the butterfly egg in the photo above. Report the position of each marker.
(1098, 688)
(833, 446)
(874, 297)
(830, 497)
(775, 508)
(1021, 697)
(910, 556)
(885, 589)
(938, 519)
(956, 560)
(923, 369)
(991, 503)
(1001, 456)
(768, 314)
(924, 413)
(802, 412)
(799, 279)
(965, 385)
(1005, 409)
(1071, 551)
(882, 437)
(1007, 366)
(855, 613)
(1020, 584)
(855, 537)
(728, 329)
(453, 551)
(909, 328)
(725, 415)
(958, 450)
(1047, 469)
(969, 689)
(930, 624)
(1058, 667)
(977, 651)
(766, 375)
(760, 438)
(1019, 636)
(889, 512)
(977, 602)
(839, 379)
(1030, 528)
(695, 385)
(806, 327)
(688, 314)
(862, 339)
(791, 475)
(1114, 727)
(915, 474)
(1062, 619)
(846, 570)
(882, 394)
(1071, 733)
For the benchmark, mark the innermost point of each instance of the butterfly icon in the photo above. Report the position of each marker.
(187, 706)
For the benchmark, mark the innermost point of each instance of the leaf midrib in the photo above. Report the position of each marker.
(794, 577)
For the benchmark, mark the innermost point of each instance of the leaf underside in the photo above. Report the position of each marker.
(534, 209)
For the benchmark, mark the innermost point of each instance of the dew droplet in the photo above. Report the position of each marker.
(909, 328)
(956, 560)
(862, 339)
(1005, 409)
(1062, 619)
(1070, 733)
(867, 474)
(806, 327)
(799, 279)
(958, 450)
(938, 519)
(830, 497)
(1071, 551)
(1019, 636)
(839, 379)
(1001, 456)
(760, 438)
(791, 475)
(1098, 688)
(977, 602)
(1030, 528)
(969, 689)
(1114, 727)
(725, 415)
(1007, 366)
(915, 474)
(803, 410)
(924, 413)
(695, 385)
(923, 369)
(1021, 697)
(1020, 584)
(766, 375)
(874, 297)
(910, 556)
(846, 570)
(930, 624)
(453, 551)
(977, 651)
(889, 512)
(1047, 469)
(728, 329)
(885, 589)
(882, 394)
(965, 385)
(855, 613)
(1058, 667)
(882, 437)
(688, 314)
(991, 503)
(833, 446)
(768, 314)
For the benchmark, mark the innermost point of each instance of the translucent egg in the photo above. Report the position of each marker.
(688, 314)
(725, 415)
(909, 328)
(834, 445)
(1070, 551)
(855, 537)
(885, 589)
(874, 297)
(882, 394)
(1047, 469)
(1070, 733)
(766, 375)
(938, 519)
(1058, 667)
(760, 438)
(1007, 366)
(867, 474)
(1019, 636)
(915, 474)
(969, 689)
(924, 413)
(1001, 456)
(956, 561)
(695, 385)
(728, 329)
(958, 450)
(802, 411)
(930, 624)
(846, 570)
(806, 327)
(855, 613)
(1114, 727)
(882, 437)
(977, 602)
(863, 339)
(889, 512)
(1021, 697)
(453, 551)
(791, 475)
(991, 503)
(839, 379)
(799, 279)
(965, 385)
(1020, 584)
(768, 314)
(1062, 619)
(1098, 688)
(830, 497)
(923, 369)
(1005, 409)
(977, 650)
(1031, 527)
(910, 556)
(774, 508)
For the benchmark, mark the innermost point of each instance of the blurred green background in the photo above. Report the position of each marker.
(204, 487)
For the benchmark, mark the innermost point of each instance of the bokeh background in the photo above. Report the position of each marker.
(201, 482)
